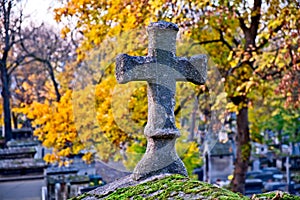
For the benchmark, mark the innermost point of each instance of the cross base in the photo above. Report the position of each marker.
(160, 157)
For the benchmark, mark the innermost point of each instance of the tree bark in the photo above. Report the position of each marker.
(52, 77)
(243, 151)
(6, 13)
(6, 103)
(15, 119)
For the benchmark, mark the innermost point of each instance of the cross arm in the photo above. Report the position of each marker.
(193, 69)
(133, 68)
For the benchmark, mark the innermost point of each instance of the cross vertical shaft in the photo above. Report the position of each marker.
(161, 89)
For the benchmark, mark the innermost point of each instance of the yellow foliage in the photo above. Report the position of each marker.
(88, 157)
(54, 126)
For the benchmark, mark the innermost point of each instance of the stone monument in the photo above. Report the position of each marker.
(161, 69)
(218, 161)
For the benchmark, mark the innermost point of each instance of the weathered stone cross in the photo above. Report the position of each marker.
(161, 69)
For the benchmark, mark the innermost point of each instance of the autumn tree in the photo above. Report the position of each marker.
(30, 83)
(251, 43)
(256, 38)
(10, 27)
(42, 90)
(270, 113)
(45, 46)
(43, 59)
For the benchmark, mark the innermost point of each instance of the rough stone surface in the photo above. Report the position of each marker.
(161, 69)
(166, 186)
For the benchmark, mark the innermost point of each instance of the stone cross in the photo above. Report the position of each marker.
(161, 69)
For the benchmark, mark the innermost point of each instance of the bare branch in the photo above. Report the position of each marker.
(18, 62)
(6, 21)
(206, 42)
(224, 41)
(230, 71)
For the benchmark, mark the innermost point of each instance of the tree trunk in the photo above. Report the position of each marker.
(243, 151)
(15, 119)
(6, 102)
(52, 77)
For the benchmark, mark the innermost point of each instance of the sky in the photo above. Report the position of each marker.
(40, 10)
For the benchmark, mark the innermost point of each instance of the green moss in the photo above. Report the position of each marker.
(277, 194)
(180, 187)
(175, 187)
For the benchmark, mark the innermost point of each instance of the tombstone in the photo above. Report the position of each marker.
(161, 69)
(55, 178)
(17, 153)
(23, 166)
(253, 186)
(256, 165)
(218, 161)
(68, 181)
(19, 156)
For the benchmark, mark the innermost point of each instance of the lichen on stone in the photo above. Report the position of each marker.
(275, 195)
(180, 187)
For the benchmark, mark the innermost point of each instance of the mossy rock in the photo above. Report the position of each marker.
(274, 196)
(176, 187)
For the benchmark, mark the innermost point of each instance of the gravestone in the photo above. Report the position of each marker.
(19, 155)
(218, 161)
(22, 133)
(161, 69)
(66, 182)
(256, 165)
(20, 161)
